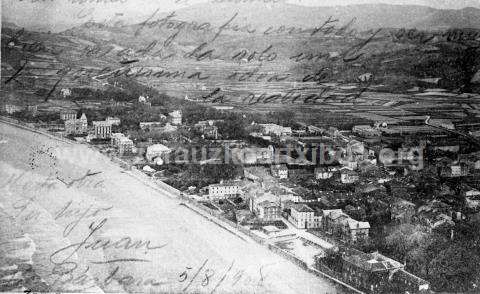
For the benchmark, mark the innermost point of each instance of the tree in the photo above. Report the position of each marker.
(404, 239)
(233, 127)
(284, 117)
(195, 113)
(454, 269)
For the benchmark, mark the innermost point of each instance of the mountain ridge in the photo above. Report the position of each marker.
(367, 16)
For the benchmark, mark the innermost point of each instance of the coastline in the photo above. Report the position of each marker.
(195, 207)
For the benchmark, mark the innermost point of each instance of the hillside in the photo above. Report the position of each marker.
(368, 16)
(396, 64)
(445, 19)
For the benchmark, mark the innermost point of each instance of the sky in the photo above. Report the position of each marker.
(59, 15)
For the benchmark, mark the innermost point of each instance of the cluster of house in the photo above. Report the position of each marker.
(457, 169)
(279, 171)
(12, 108)
(366, 131)
(402, 211)
(253, 155)
(345, 175)
(269, 207)
(433, 214)
(343, 160)
(337, 223)
(372, 272)
(161, 127)
(167, 125)
(175, 117)
(276, 130)
(351, 160)
(351, 154)
(208, 129)
(342, 174)
(79, 126)
(103, 130)
(406, 124)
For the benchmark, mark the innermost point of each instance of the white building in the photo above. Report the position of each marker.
(269, 210)
(457, 170)
(102, 129)
(144, 100)
(12, 108)
(68, 115)
(223, 190)
(151, 125)
(472, 193)
(366, 131)
(66, 92)
(208, 129)
(349, 163)
(355, 230)
(256, 199)
(279, 171)
(365, 77)
(274, 129)
(116, 138)
(355, 148)
(125, 146)
(315, 130)
(323, 173)
(114, 120)
(348, 176)
(175, 117)
(303, 217)
(77, 126)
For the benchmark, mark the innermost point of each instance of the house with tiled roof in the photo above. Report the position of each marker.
(341, 225)
(332, 221)
(355, 230)
(372, 262)
(372, 273)
(376, 273)
(348, 176)
(400, 189)
(304, 217)
(269, 210)
(402, 211)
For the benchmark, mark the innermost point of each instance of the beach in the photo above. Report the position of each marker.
(95, 228)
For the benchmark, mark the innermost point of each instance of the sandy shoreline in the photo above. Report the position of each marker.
(126, 236)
